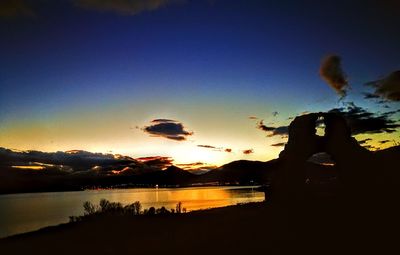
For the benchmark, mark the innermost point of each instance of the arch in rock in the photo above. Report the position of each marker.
(354, 163)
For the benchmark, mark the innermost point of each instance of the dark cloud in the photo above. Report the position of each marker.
(197, 167)
(79, 163)
(248, 151)
(362, 121)
(196, 164)
(364, 141)
(387, 88)
(169, 129)
(73, 162)
(321, 158)
(278, 144)
(273, 131)
(157, 161)
(163, 120)
(260, 125)
(370, 147)
(370, 96)
(123, 7)
(15, 8)
(331, 71)
(207, 146)
(215, 148)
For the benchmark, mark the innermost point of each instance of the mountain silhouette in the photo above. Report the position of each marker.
(242, 172)
(309, 164)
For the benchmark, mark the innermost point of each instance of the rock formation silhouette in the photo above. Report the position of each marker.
(362, 175)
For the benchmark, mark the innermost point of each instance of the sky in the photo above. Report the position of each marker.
(196, 80)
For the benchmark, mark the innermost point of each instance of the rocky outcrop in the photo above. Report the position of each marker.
(356, 166)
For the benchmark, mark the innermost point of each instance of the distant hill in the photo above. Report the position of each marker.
(242, 171)
(171, 176)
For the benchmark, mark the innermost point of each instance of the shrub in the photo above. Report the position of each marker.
(137, 207)
(116, 208)
(89, 208)
(179, 207)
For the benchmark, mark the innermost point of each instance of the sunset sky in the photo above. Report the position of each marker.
(196, 80)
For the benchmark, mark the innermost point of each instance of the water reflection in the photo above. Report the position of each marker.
(26, 212)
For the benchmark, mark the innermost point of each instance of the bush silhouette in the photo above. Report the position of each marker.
(106, 207)
(89, 208)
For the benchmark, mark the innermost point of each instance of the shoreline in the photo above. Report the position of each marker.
(313, 228)
(134, 187)
(67, 224)
(63, 206)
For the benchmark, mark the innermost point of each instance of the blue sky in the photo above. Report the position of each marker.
(207, 64)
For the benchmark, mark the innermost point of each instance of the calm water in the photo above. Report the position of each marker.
(26, 212)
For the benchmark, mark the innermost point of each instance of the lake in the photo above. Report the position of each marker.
(21, 213)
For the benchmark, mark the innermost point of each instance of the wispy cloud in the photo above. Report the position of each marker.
(207, 146)
(170, 129)
(362, 121)
(387, 88)
(273, 131)
(156, 161)
(278, 144)
(253, 117)
(197, 166)
(124, 7)
(331, 71)
(364, 141)
(215, 148)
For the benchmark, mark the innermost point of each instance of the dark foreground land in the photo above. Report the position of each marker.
(257, 228)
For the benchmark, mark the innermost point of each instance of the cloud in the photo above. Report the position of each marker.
(169, 129)
(123, 7)
(197, 166)
(362, 121)
(215, 148)
(387, 88)
(74, 161)
(15, 8)
(364, 141)
(248, 151)
(278, 144)
(160, 162)
(370, 95)
(207, 146)
(331, 71)
(273, 131)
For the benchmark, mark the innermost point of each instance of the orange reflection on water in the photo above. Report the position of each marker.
(53, 208)
(30, 167)
(195, 198)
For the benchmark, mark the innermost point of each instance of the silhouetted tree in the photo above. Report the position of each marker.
(162, 210)
(137, 207)
(179, 207)
(104, 204)
(89, 208)
(151, 211)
